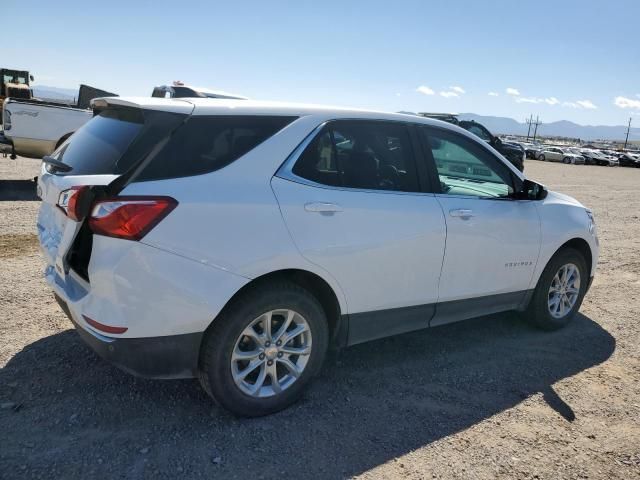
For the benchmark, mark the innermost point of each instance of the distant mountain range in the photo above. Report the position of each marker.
(562, 128)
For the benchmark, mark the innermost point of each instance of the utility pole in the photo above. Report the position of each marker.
(535, 131)
(529, 121)
(627, 139)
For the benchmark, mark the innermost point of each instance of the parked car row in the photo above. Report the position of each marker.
(581, 156)
(629, 159)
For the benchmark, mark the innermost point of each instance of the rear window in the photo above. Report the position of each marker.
(207, 143)
(98, 146)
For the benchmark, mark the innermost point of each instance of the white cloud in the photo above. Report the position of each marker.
(624, 102)
(570, 104)
(449, 94)
(552, 100)
(426, 90)
(529, 100)
(493, 94)
(512, 91)
(586, 104)
(398, 94)
(457, 89)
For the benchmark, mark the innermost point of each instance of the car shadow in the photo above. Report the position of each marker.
(372, 403)
(18, 190)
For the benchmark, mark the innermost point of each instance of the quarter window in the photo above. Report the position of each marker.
(467, 169)
(208, 143)
(369, 155)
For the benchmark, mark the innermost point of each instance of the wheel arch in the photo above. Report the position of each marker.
(582, 246)
(314, 284)
(576, 243)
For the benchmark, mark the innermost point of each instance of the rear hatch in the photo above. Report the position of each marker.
(96, 162)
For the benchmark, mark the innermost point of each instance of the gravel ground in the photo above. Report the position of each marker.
(487, 398)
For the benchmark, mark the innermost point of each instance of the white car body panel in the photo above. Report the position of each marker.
(562, 218)
(494, 251)
(384, 249)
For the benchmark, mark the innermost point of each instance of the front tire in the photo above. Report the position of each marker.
(560, 291)
(262, 351)
(541, 158)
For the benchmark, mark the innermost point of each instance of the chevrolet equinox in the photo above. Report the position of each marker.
(235, 241)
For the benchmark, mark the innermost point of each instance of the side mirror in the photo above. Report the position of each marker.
(496, 141)
(31, 77)
(532, 191)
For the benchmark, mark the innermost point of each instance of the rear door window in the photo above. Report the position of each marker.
(370, 155)
(98, 146)
(207, 143)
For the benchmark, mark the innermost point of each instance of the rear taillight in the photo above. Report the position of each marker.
(75, 202)
(129, 217)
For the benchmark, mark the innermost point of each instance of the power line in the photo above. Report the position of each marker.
(535, 130)
(627, 139)
(529, 121)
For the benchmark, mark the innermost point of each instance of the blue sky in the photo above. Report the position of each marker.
(574, 60)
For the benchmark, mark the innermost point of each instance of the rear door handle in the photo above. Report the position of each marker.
(463, 213)
(322, 207)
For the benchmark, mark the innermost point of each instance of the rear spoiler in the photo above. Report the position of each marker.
(144, 103)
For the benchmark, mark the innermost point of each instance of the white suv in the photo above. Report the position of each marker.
(236, 240)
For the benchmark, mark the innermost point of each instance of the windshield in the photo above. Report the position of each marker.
(11, 78)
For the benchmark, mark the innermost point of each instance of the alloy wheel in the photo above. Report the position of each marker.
(271, 353)
(564, 290)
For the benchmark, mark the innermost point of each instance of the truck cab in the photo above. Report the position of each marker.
(15, 84)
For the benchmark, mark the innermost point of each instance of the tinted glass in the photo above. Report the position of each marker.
(98, 146)
(467, 169)
(318, 162)
(207, 143)
(368, 155)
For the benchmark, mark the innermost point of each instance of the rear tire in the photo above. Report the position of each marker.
(235, 343)
(566, 160)
(541, 158)
(543, 312)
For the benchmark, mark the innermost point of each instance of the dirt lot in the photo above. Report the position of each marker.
(482, 399)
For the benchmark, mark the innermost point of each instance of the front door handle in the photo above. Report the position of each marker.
(463, 213)
(322, 207)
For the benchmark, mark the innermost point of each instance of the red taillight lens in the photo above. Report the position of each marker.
(75, 202)
(130, 217)
(102, 327)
